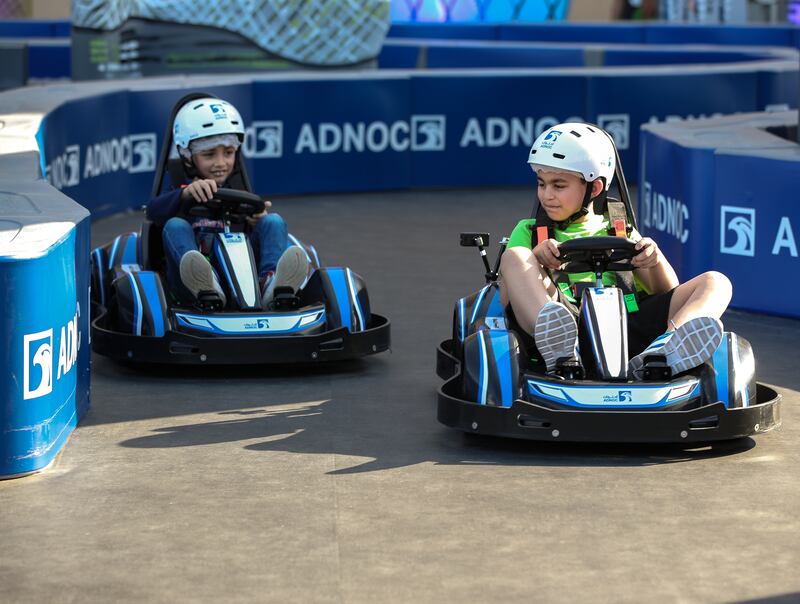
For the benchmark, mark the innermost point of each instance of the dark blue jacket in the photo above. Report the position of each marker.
(165, 206)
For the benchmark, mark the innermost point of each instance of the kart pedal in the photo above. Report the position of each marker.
(284, 299)
(209, 300)
(569, 369)
(656, 368)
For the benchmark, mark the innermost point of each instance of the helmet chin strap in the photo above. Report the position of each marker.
(598, 206)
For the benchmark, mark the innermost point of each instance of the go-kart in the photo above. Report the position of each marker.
(495, 385)
(135, 317)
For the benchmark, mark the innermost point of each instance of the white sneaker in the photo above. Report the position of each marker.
(197, 275)
(556, 334)
(689, 346)
(291, 271)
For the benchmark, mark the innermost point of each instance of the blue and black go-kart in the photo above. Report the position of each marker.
(135, 318)
(494, 386)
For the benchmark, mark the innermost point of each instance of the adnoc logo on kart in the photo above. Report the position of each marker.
(664, 213)
(737, 231)
(38, 371)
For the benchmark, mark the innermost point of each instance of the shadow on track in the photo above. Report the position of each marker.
(328, 427)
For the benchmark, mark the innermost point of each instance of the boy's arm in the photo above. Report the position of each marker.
(654, 270)
(162, 208)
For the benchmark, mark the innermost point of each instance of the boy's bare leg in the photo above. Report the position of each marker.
(706, 295)
(525, 285)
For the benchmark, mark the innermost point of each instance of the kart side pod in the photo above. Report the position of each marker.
(492, 367)
(345, 295)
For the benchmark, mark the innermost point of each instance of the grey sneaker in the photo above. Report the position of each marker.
(197, 275)
(689, 346)
(556, 334)
(291, 271)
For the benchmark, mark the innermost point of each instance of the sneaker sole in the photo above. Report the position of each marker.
(197, 275)
(555, 333)
(690, 346)
(293, 271)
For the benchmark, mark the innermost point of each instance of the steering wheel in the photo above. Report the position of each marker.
(597, 254)
(227, 202)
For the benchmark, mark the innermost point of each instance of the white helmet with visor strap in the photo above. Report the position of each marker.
(202, 118)
(575, 147)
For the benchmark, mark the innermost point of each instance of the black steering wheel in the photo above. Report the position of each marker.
(229, 203)
(597, 254)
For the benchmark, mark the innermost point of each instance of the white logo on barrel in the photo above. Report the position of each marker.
(737, 231)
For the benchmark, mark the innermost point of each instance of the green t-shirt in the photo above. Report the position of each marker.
(595, 226)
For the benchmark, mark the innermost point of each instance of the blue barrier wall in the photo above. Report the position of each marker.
(380, 130)
(44, 352)
(722, 195)
(611, 33)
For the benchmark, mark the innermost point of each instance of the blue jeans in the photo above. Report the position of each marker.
(269, 238)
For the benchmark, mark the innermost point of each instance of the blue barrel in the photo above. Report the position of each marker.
(44, 347)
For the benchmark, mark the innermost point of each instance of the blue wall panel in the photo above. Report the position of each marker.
(489, 122)
(756, 230)
(442, 57)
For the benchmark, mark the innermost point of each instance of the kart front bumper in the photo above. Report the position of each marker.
(186, 349)
(528, 420)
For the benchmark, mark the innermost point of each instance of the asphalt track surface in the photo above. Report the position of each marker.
(337, 484)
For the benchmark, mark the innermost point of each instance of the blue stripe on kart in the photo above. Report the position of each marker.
(137, 304)
(224, 265)
(148, 281)
(502, 364)
(98, 262)
(129, 255)
(339, 283)
(495, 307)
(351, 283)
(482, 384)
(478, 302)
(721, 368)
(744, 387)
(113, 252)
(462, 311)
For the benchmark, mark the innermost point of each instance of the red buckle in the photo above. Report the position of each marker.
(619, 228)
(542, 234)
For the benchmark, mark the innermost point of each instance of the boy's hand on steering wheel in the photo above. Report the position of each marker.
(547, 254)
(649, 254)
(201, 190)
(252, 220)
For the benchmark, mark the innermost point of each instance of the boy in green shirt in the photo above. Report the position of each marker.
(574, 164)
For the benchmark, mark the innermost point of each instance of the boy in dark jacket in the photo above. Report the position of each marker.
(207, 134)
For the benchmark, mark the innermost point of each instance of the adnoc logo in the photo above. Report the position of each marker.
(551, 139)
(65, 169)
(618, 125)
(663, 213)
(737, 234)
(38, 364)
(427, 132)
(143, 153)
(263, 139)
(39, 372)
(135, 153)
(625, 396)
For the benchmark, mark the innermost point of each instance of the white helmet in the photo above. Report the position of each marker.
(575, 147)
(205, 117)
